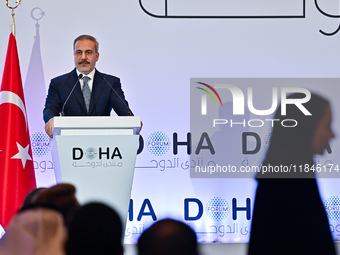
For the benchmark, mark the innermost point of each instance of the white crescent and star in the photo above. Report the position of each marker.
(12, 98)
(22, 154)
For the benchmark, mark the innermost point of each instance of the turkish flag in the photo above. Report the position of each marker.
(17, 176)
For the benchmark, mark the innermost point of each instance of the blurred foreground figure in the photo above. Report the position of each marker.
(31, 197)
(289, 216)
(36, 231)
(61, 196)
(168, 237)
(95, 229)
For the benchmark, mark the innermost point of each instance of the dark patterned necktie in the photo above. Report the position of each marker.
(86, 92)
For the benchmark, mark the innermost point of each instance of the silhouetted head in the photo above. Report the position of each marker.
(95, 229)
(31, 196)
(167, 237)
(62, 196)
(298, 140)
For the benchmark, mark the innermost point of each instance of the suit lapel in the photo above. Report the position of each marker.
(72, 79)
(97, 88)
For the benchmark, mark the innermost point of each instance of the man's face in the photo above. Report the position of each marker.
(85, 56)
(323, 133)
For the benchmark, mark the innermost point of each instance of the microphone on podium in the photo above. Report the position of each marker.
(127, 107)
(62, 110)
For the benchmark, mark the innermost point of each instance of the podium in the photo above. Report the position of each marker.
(97, 155)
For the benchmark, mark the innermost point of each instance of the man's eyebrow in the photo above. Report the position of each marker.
(83, 50)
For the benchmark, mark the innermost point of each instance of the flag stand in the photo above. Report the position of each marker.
(18, 2)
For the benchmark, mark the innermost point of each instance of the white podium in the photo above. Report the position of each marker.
(97, 155)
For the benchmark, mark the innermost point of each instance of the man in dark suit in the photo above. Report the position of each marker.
(99, 98)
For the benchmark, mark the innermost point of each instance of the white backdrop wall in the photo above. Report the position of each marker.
(155, 59)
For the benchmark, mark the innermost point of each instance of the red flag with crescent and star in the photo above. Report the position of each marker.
(17, 176)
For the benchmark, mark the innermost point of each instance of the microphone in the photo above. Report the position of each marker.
(62, 109)
(329, 149)
(127, 107)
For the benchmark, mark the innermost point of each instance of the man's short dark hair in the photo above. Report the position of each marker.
(63, 196)
(87, 37)
(167, 237)
(97, 229)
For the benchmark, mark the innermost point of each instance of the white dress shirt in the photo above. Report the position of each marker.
(90, 82)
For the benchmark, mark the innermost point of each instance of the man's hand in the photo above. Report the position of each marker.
(49, 128)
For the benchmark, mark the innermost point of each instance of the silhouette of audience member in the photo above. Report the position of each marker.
(289, 216)
(31, 196)
(168, 237)
(35, 231)
(62, 196)
(95, 229)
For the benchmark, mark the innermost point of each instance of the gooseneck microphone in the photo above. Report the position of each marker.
(121, 99)
(62, 109)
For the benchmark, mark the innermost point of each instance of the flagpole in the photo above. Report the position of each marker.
(18, 2)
